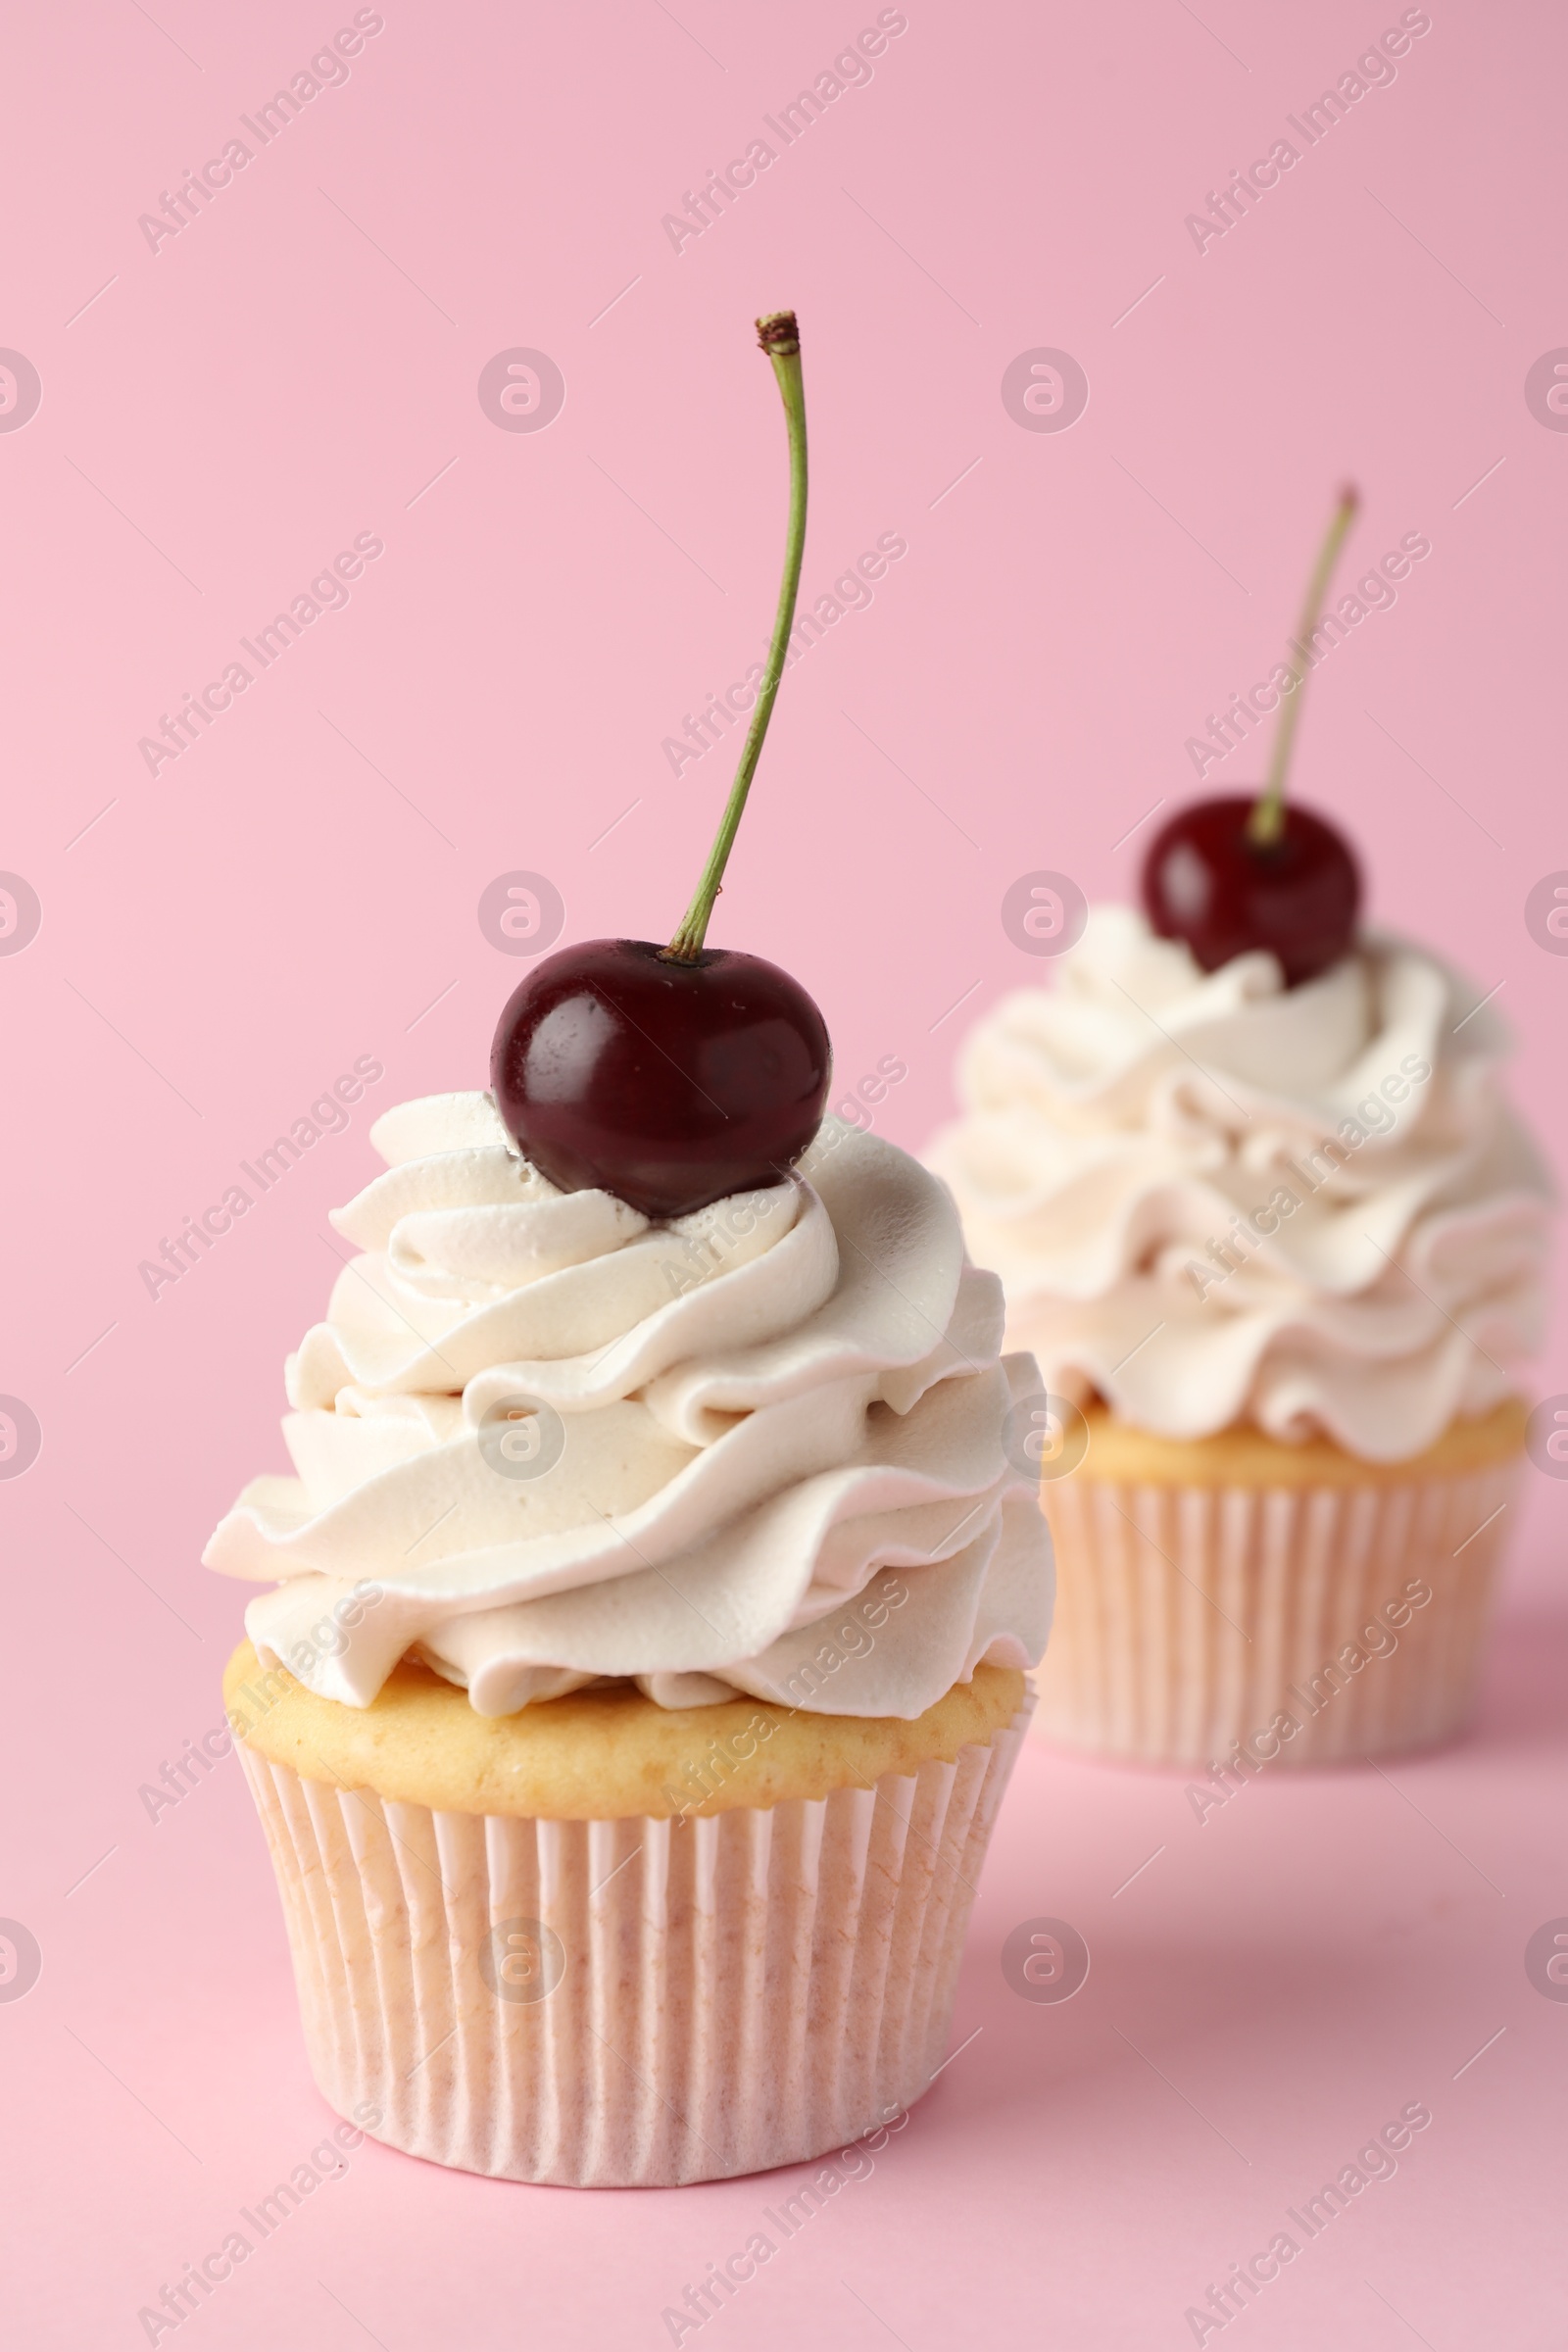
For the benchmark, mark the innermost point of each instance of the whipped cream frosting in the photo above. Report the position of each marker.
(1212, 1199)
(540, 1441)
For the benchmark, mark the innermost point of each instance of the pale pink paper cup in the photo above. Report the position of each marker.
(1255, 1615)
(639, 2003)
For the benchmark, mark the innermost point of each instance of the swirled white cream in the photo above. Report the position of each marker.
(1212, 1199)
(730, 1428)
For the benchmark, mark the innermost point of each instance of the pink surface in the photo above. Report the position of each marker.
(298, 365)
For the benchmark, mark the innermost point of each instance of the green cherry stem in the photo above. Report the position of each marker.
(779, 337)
(1267, 820)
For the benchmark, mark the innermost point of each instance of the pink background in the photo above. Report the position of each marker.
(218, 942)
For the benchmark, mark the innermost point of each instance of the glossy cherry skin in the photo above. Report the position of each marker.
(670, 1085)
(1204, 882)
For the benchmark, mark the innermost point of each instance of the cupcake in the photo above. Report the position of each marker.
(1263, 1214)
(1282, 1250)
(646, 1629)
(642, 1657)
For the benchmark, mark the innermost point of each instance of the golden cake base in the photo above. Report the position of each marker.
(596, 1754)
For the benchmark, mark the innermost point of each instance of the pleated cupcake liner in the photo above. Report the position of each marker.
(631, 2003)
(1194, 1620)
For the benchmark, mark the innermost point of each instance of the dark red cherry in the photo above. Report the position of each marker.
(1207, 882)
(667, 1084)
(672, 1076)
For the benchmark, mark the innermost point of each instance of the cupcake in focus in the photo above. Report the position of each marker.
(643, 1655)
(646, 1642)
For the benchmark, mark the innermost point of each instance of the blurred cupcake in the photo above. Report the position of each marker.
(1279, 1252)
(644, 1657)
